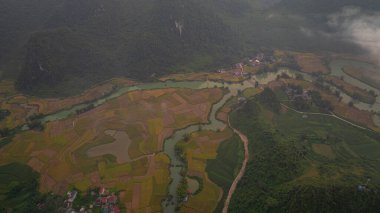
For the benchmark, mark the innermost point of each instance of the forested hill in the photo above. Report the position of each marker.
(92, 40)
(59, 47)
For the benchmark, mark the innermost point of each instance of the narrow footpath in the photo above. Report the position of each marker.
(324, 114)
(244, 139)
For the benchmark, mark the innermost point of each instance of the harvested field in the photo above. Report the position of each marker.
(376, 120)
(250, 92)
(192, 184)
(118, 148)
(227, 76)
(311, 63)
(350, 113)
(123, 157)
(7, 89)
(202, 147)
(50, 105)
(367, 76)
(362, 117)
(17, 116)
(22, 106)
(351, 90)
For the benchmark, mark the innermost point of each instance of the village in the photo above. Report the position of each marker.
(105, 202)
(258, 61)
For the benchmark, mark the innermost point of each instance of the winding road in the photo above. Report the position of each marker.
(244, 139)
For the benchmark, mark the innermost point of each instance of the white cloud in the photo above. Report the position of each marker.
(359, 27)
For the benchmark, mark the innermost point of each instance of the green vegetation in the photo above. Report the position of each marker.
(356, 93)
(317, 164)
(180, 151)
(61, 47)
(269, 99)
(4, 141)
(4, 114)
(200, 182)
(5, 132)
(323, 105)
(36, 125)
(224, 168)
(142, 40)
(19, 191)
(35, 116)
(85, 109)
(182, 190)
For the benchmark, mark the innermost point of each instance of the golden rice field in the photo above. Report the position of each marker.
(227, 76)
(202, 147)
(311, 63)
(60, 152)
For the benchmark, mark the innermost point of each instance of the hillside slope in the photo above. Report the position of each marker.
(60, 47)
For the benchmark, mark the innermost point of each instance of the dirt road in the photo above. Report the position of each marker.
(242, 170)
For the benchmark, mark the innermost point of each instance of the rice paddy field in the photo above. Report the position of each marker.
(351, 90)
(203, 147)
(116, 145)
(225, 76)
(341, 109)
(311, 63)
(368, 76)
(21, 106)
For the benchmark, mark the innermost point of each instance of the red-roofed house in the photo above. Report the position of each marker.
(102, 191)
(116, 209)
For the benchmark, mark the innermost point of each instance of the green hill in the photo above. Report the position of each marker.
(60, 47)
(100, 39)
(313, 164)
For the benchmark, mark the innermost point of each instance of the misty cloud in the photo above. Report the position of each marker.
(359, 27)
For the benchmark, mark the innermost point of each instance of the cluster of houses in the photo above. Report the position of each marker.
(68, 203)
(294, 93)
(106, 201)
(259, 59)
(364, 187)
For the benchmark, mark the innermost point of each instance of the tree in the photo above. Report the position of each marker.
(299, 76)
(300, 104)
(186, 137)
(4, 132)
(269, 99)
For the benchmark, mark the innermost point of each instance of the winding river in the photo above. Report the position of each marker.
(214, 124)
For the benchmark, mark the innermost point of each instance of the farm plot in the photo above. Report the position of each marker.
(134, 125)
(201, 148)
(311, 63)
